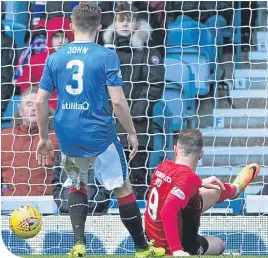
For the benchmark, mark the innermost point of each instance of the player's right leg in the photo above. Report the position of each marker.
(111, 170)
(77, 170)
(211, 196)
(131, 218)
(245, 177)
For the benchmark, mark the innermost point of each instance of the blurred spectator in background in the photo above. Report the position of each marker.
(35, 43)
(8, 47)
(58, 35)
(143, 75)
(151, 12)
(98, 196)
(21, 174)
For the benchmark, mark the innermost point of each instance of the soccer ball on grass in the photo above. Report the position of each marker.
(25, 222)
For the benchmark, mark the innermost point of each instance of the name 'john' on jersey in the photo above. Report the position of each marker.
(81, 72)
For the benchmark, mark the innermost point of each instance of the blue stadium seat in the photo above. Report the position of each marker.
(198, 64)
(195, 44)
(163, 133)
(220, 29)
(14, 244)
(12, 109)
(173, 97)
(17, 11)
(170, 114)
(179, 92)
(60, 242)
(15, 30)
(187, 32)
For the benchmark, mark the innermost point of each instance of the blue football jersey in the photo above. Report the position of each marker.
(81, 72)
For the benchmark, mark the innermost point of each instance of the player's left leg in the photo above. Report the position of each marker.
(232, 191)
(200, 245)
(215, 246)
(111, 170)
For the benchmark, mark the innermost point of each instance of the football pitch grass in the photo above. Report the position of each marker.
(129, 256)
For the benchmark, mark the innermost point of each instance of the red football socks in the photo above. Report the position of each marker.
(229, 192)
(127, 199)
(82, 190)
(131, 218)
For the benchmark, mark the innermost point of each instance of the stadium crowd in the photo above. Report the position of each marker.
(141, 66)
(137, 32)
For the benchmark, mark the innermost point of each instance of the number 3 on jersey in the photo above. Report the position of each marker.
(153, 203)
(76, 76)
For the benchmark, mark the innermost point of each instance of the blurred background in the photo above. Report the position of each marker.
(185, 64)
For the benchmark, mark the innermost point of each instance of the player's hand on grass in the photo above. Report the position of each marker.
(44, 152)
(180, 253)
(213, 183)
(133, 143)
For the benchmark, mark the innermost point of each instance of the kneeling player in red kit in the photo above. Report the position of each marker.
(178, 196)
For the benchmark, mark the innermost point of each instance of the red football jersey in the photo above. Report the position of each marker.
(171, 183)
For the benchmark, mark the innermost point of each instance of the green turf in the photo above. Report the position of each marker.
(127, 256)
(65, 256)
(88, 256)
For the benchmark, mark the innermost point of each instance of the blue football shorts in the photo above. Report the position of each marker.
(110, 168)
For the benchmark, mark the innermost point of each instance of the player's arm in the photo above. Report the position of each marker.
(46, 87)
(177, 200)
(121, 109)
(114, 83)
(122, 112)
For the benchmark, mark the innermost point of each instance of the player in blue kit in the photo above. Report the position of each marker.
(83, 74)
